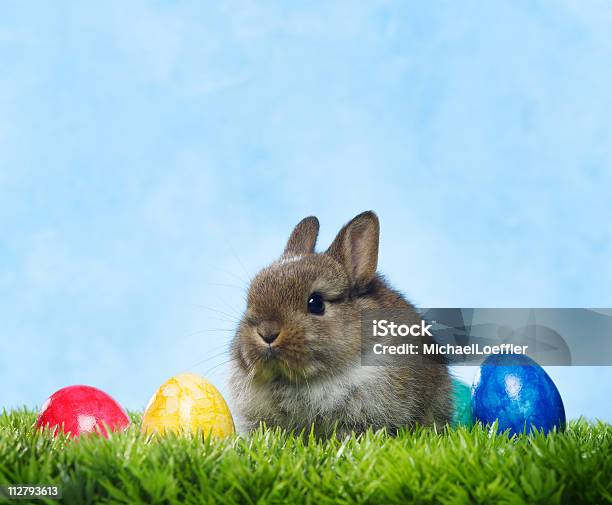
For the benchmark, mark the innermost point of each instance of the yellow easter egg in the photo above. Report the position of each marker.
(188, 402)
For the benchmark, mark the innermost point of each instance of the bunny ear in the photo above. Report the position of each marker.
(356, 247)
(303, 237)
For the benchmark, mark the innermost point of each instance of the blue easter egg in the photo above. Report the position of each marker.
(518, 393)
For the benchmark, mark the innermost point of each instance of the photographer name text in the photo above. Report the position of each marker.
(449, 349)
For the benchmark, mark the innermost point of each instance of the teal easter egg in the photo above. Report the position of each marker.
(462, 404)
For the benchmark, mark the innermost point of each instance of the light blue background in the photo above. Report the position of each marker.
(155, 155)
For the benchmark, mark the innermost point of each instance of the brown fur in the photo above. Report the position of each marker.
(311, 374)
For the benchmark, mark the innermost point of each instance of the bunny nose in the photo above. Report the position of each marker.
(268, 331)
(268, 338)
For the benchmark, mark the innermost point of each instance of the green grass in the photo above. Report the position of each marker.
(457, 466)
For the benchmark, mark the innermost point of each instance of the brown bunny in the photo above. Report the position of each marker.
(297, 350)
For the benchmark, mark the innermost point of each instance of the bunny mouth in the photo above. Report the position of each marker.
(277, 367)
(268, 358)
(271, 353)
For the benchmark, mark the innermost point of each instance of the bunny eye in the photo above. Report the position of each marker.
(316, 305)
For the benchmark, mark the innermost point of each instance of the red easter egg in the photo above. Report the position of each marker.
(82, 409)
